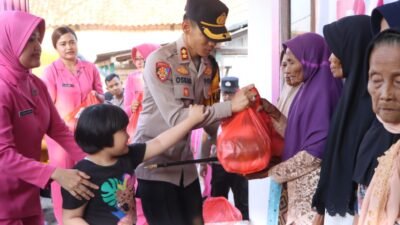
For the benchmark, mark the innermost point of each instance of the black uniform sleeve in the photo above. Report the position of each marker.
(136, 153)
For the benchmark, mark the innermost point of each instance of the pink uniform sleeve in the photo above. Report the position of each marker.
(49, 80)
(12, 162)
(129, 94)
(97, 86)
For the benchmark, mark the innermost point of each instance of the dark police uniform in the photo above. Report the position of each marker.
(171, 195)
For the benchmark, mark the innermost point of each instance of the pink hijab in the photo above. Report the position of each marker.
(144, 49)
(16, 28)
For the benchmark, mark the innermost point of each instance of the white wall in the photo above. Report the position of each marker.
(326, 13)
(261, 52)
(260, 46)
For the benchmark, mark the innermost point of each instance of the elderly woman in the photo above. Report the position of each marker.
(377, 140)
(26, 114)
(382, 200)
(307, 125)
(348, 39)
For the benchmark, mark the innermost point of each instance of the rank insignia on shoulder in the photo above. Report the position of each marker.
(186, 92)
(184, 53)
(182, 70)
(163, 71)
(208, 71)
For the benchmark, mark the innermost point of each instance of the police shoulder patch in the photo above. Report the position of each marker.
(163, 71)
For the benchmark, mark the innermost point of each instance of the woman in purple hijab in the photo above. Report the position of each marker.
(306, 128)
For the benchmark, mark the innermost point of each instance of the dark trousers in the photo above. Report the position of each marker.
(167, 204)
(222, 181)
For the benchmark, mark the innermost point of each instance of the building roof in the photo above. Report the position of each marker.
(117, 14)
(110, 14)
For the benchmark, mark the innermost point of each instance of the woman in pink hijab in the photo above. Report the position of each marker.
(26, 115)
(134, 84)
(72, 84)
(132, 91)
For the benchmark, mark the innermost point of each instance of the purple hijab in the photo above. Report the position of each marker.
(312, 108)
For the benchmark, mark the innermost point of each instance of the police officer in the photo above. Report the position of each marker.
(177, 75)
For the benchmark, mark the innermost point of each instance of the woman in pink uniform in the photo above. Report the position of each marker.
(70, 81)
(134, 84)
(26, 114)
(134, 87)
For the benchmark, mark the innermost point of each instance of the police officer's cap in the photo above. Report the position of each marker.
(229, 84)
(210, 16)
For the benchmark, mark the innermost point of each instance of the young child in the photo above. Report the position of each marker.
(101, 133)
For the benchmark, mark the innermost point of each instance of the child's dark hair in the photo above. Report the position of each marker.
(96, 126)
(110, 77)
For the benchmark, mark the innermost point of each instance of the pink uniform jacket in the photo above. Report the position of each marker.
(26, 114)
(67, 91)
(134, 86)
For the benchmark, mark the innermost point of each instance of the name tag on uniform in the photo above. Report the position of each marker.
(67, 85)
(183, 80)
(25, 112)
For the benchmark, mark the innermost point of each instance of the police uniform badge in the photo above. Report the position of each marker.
(182, 70)
(184, 54)
(186, 92)
(163, 71)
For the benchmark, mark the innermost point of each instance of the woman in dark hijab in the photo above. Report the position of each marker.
(385, 16)
(307, 124)
(377, 139)
(348, 39)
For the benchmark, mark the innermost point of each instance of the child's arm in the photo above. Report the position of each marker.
(171, 136)
(74, 216)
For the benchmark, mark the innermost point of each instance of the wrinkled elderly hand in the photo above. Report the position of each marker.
(75, 182)
(243, 98)
(269, 108)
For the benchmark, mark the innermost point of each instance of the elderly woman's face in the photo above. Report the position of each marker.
(384, 82)
(293, 70)
(336, 66)
(30, 56)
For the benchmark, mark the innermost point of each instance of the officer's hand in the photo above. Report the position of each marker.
(242, 98)
(135, 105)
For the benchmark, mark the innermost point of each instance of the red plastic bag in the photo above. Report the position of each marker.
(218, 209)
(277, 141)
(244, 145)
(72, 118)
(131, 128)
